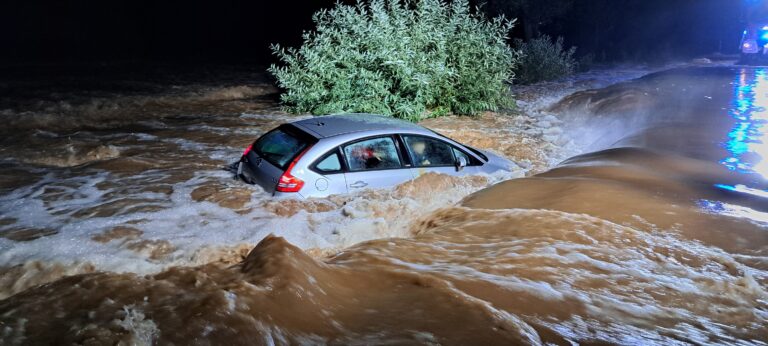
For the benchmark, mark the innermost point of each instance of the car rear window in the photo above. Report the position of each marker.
(280, 146)
(329, 164)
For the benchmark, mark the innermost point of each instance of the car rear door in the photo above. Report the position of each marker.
(374, 163)
(429, 154)
(330, 179)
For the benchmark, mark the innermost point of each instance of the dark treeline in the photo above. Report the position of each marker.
(241, 30)
(639, 30)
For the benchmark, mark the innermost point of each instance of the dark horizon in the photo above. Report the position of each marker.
(72, 32)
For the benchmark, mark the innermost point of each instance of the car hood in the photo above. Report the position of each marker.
(499, 161)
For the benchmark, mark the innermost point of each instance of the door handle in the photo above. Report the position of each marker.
(358, 184)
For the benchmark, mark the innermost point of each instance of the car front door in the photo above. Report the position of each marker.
(433, 155)
(374, 163)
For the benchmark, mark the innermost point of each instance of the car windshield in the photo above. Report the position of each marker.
(279, 147)
(477, 152)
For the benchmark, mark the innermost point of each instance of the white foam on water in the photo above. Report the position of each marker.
(142, 331)
(628, 291)
(190, 232)
(190, 226)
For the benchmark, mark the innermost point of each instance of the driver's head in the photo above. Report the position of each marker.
(419, 147)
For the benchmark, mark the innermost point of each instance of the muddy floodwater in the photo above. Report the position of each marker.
(636, 213)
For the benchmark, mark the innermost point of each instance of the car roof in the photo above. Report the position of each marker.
(335, 125)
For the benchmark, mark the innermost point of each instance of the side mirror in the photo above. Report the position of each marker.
(461, 162)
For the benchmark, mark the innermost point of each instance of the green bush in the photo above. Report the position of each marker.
(543, 59)
(412, 60)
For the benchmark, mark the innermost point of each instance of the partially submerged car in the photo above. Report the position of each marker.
(337, 154)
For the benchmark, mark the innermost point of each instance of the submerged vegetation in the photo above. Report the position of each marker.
(411, 60)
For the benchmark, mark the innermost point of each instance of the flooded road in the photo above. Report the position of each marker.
(657, 235)
(129, 177)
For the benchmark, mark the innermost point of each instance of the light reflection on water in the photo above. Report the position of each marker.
(733, 210)
(747, 144)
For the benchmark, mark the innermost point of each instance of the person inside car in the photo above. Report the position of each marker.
(419, 153)
(366, 157)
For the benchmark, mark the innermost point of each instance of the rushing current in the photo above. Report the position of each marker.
(128, 230)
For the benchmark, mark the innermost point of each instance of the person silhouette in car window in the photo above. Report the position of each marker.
(419, 153)
(374, 158)
(366, 157)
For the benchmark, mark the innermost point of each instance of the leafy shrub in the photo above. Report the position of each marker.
(407, 59)
(543, 59)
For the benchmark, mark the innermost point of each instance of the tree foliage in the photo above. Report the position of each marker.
(533, 13)
(407, 59)
(544, 59)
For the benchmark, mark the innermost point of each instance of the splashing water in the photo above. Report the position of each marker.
(638, 242)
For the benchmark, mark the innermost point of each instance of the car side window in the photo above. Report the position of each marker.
(371, 154)
(330, 163)
(427, 152)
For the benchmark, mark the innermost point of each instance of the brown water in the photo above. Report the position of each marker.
(660, 236)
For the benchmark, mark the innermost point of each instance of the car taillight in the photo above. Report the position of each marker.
(289, 183)
(248, 150)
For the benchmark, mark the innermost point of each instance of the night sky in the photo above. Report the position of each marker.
(75, 31)
(227, 30)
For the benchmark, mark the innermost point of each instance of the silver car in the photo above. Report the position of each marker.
(338, 154)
